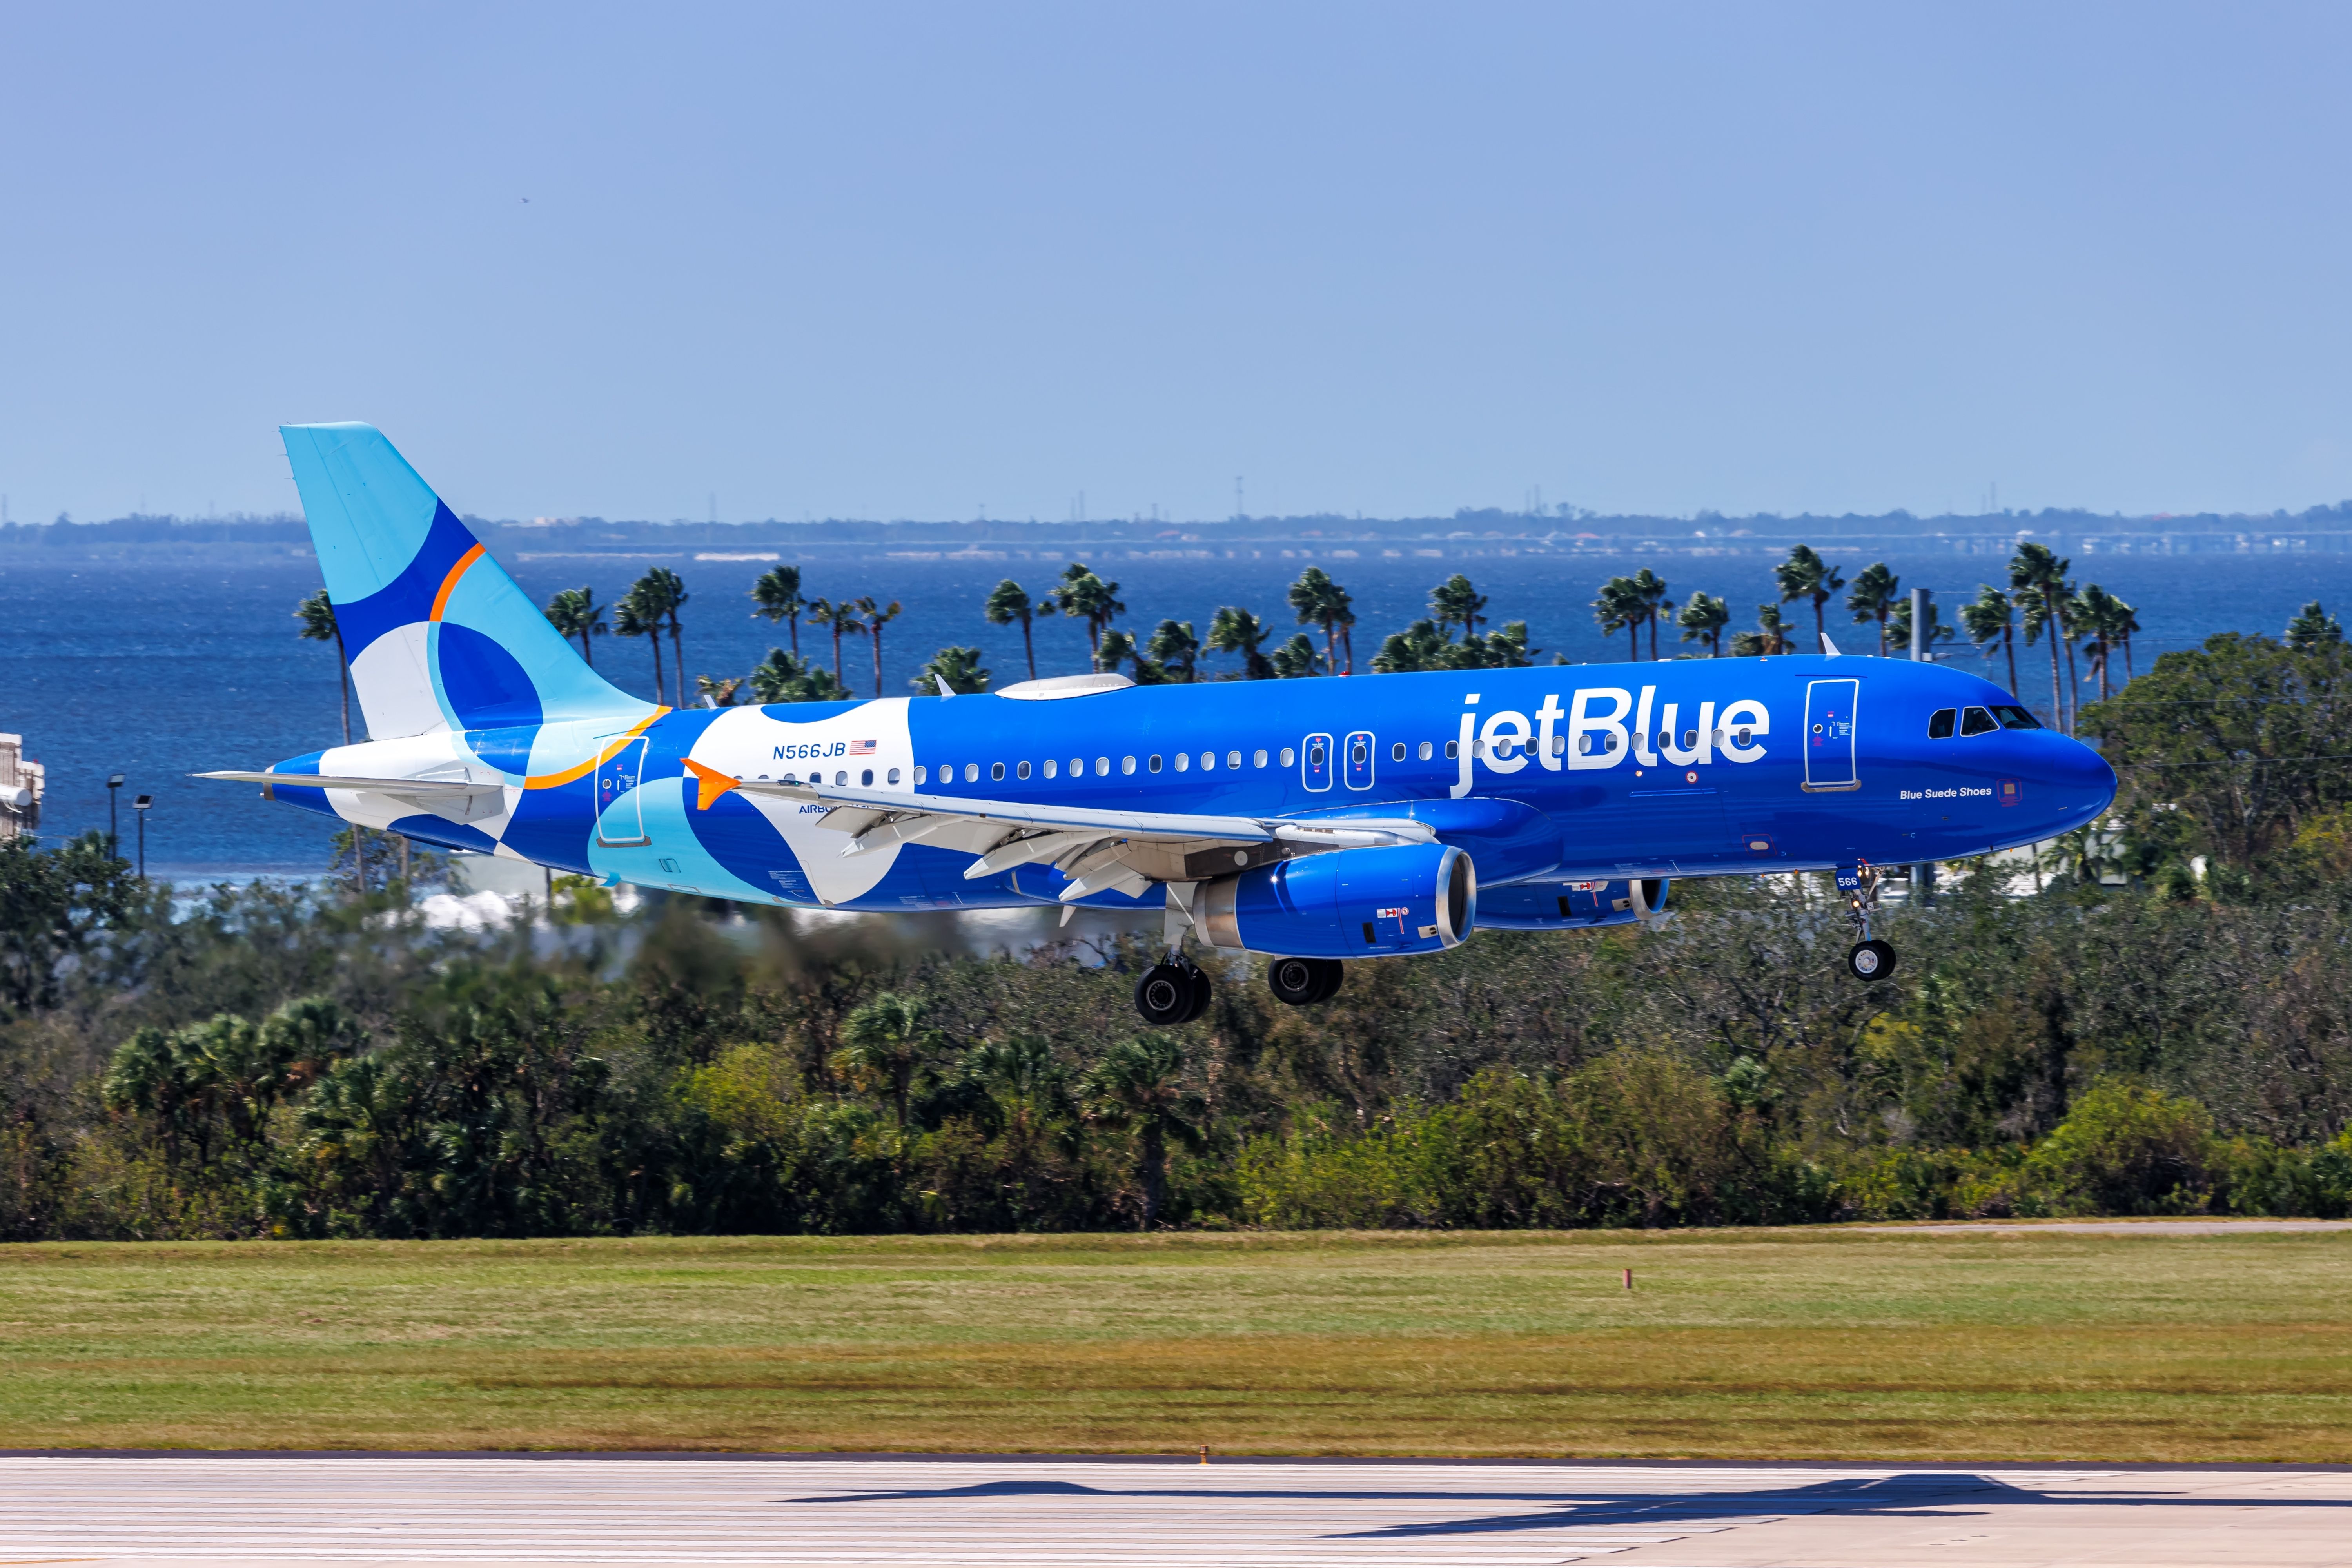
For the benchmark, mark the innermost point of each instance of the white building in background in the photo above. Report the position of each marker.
(21, 783)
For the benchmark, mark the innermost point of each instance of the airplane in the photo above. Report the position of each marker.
(1311, 821)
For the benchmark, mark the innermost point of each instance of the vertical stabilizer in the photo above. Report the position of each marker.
(438, 636)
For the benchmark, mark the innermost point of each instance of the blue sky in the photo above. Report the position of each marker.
(916, 260)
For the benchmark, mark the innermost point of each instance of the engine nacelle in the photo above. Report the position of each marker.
(1570, 906)
(1347, 903)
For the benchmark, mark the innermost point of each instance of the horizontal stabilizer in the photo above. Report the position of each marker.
(339, 781)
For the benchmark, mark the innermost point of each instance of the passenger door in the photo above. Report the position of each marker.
(620, 810)
(1830, 735)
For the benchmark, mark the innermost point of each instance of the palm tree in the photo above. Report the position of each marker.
(1774, 628)
(1118, 646)
(778, 596)
(2039, 580)
(1236, 630)
(1138, 1085)
(1088, 597)
(574, 612)
(877, 617)
(1805, 576)
(671, 591)
(1619, 607)
(2311, 629)
(2126, 627)
(2100, 612)
(1455, 603)
(718, 691)
(1421, 646)
(632, 617)
(783, 678)
(958, 666)
(1008, 602)
(1321, 602)
(1876, 590)
(1898, 627)
(1296, 657)
(1703, 619)
(842, 618)
(1175, 649)
(885, 1042)
(1990, 616)
(317, 615)
(1649, 592)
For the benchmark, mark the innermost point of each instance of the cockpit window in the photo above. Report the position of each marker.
(2012, 716)
(1977, 722)
(1939, 725)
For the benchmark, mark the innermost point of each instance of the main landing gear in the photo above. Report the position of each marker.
(1867, 959)
(1303, 982)
(1173, 991)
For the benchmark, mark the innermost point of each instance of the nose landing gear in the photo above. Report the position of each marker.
(1867, 959)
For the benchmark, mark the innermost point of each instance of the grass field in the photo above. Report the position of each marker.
(1787, 1345)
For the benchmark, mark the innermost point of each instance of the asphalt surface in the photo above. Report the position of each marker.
(1000, 1512)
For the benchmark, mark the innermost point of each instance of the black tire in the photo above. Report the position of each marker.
(1165, 995)
(1334, 972)
(1298, 980)
(1204, 993)
(1871, 960)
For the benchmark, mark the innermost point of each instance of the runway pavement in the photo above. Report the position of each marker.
(1001, 1513)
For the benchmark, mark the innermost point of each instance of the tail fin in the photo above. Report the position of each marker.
(437, 633)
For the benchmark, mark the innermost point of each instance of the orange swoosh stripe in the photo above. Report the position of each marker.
(710, 783)
(551, 781)
(449, 583)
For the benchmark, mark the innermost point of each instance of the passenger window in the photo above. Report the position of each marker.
(971, 772)
(1155, 763)
(1396, 752)
(1184, 761)
(1314, 757)
(921, 774)
(2012, 716)
(1558, 745)
(1126, 764)
(1289, 757)
(866, 779)
(1690, 740)
(1209, 762)
(1426, 750)
(1233, 759)
(1102, 767)
(1939, 723)
(1260, 756)
(1024, 770)
(1977, 722)
(894, 775)
(1051, 767)
(1453, 748)
(996, 770)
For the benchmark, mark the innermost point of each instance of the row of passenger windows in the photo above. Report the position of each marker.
(1980, 720)
(1052, 766)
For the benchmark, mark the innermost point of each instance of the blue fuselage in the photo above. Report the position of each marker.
(1697, 767)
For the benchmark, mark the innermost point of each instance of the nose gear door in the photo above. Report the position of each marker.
(1829, 735)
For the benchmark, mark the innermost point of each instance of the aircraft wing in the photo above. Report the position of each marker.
(1098, 848)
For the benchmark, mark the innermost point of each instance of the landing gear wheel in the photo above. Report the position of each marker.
(1871, 960)
(1168, 993)
(1303, 982)
(1204, 993)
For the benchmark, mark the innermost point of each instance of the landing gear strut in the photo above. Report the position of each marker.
(1173, 991)
(1867, 959)
(1303, 982)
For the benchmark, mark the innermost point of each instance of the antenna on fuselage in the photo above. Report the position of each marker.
(943, 684)
(1829, 648)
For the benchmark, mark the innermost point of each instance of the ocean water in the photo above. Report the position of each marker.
(158, 670)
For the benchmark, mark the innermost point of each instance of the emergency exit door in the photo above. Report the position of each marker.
(1830, 734)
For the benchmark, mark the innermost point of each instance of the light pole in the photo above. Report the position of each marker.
(113, 838)
(140, 807)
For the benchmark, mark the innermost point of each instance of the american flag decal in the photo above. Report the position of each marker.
(861, 748)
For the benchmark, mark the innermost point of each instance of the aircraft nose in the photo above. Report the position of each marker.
(2077, 781)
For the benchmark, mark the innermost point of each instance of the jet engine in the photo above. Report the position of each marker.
(1347, 903)
(1570, 906)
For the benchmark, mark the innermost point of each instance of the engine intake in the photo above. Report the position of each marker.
(1347, 903)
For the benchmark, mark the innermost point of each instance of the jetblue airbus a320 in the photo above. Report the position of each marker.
(1312, 820)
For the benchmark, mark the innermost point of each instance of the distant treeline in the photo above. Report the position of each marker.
(2156, 1018)
(1561, 525)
